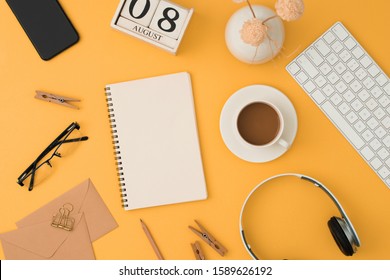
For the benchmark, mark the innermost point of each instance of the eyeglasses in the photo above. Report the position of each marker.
(58, 148)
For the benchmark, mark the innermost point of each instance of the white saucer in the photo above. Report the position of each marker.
(232, 108)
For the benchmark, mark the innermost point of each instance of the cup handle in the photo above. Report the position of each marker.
(284, 144)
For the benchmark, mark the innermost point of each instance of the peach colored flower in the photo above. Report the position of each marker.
(253, 32)
(289, 10)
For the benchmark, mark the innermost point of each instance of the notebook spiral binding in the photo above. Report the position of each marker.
(115, 142)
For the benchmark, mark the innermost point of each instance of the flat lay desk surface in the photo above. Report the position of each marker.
(104, 55)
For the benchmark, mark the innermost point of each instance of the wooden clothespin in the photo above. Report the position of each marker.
(197, 251)
(61, 100)
(209, 239)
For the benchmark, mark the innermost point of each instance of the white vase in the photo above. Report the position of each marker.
(247, 53)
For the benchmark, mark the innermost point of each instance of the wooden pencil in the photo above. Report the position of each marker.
(151, 240)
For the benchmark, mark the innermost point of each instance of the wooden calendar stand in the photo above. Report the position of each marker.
(158, 22)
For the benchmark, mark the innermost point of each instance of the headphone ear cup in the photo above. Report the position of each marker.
(340, 236)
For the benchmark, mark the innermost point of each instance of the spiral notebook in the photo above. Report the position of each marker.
(156, 141)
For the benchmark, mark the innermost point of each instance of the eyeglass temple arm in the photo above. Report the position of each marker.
(31, 186)
(55, 143)
(44, 153)
(84, 138)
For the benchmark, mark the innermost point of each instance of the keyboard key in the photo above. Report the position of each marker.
(344, 108)
(384, 101)
(381, 79)
(380, 132)
(373, 70)
(345, 55)
(353, 64)
(368, 83)
(314, 56)
(328, 90)
(336, 99)
(386, 141)
(372, 123)
(376, 163)
(293, 68)
(339, 121)
(357, 105)
(348, 77)
(332, 59)
(340, 68)
(356, 86)
(329, 37)
(302, 77)
(322, 47)
(341, 87)
(375, 144)
(350, 43)
(364, 95)
(364, 114)
(387, 162)
(360, 126)
(352, 117)
(325, 68)
(337, 46)
(384, 172)
(333, 78)
(349, 95)
(371, 104)
(340, 32)
(358, 52)
(309, 86)
(361, 74)
(383, 153)
(318, 97)
(307, 66)
(320, 81)
(365, 61)
(376, 92)
(367, 135)
(386, 122)
(367, 153)
(379, 113)
(387, 88)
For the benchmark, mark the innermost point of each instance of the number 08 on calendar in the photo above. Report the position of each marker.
(159, 22)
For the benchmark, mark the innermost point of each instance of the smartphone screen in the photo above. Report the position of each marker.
(46, 25)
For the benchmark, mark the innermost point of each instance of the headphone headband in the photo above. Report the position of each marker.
(353, 234)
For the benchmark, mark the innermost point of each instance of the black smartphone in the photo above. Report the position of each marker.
(46, 25)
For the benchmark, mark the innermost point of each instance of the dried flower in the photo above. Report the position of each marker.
(289, 10)
(253, 32)
(249, 4)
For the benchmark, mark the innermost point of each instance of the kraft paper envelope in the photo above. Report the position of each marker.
(35, 238)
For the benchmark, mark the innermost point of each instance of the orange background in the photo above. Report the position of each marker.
(104, 55)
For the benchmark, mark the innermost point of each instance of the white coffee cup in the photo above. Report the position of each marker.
(260, 124)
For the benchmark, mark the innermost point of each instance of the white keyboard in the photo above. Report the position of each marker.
(352, 91)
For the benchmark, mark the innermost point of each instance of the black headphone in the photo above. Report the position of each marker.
(342, 229)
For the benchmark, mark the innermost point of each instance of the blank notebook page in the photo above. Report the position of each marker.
(157, 140)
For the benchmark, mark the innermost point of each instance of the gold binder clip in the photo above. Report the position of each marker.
(62, 219)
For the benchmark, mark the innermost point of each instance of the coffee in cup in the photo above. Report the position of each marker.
(260, 124)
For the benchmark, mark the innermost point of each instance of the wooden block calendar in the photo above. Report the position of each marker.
(158, 22)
